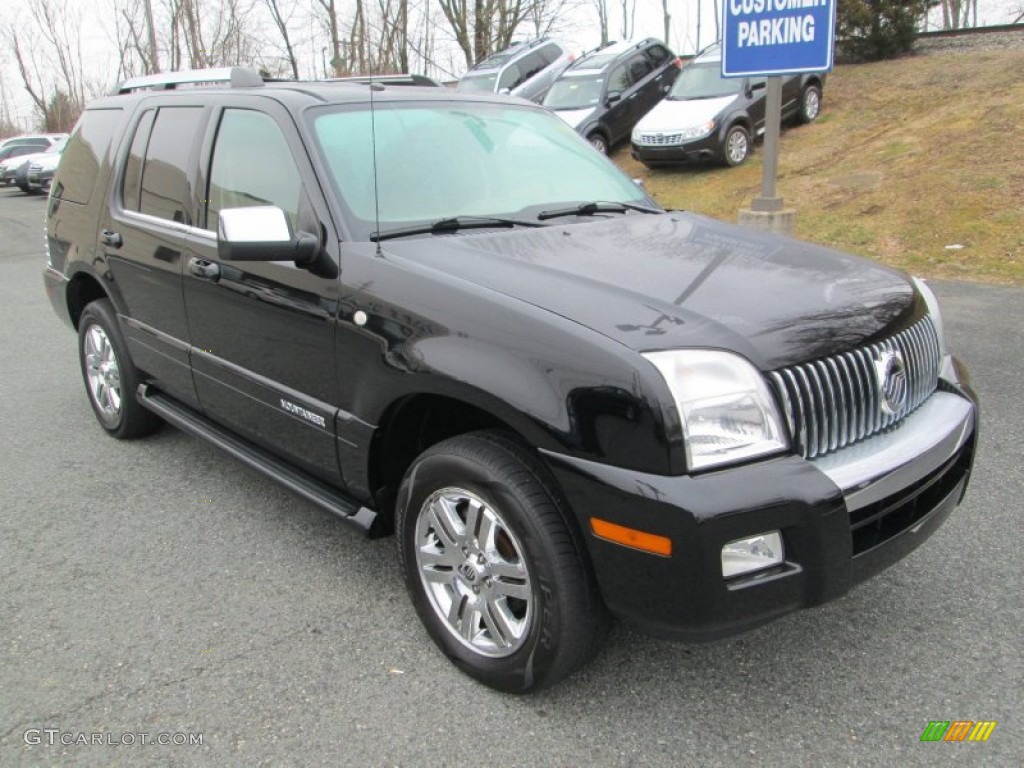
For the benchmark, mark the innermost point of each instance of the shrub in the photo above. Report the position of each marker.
(868, 30)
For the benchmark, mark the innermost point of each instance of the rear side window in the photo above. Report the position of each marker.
(80, 163)
(659, 54)
(511, 77)
(164, 190)
(530, 65)
(550, 53)
(132, 182)
(639, 68)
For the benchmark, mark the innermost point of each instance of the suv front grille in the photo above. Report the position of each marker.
(835, 401)
(658, 139)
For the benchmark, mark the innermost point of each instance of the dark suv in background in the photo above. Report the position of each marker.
(524, 69)
(445, 316)
(709, 117)
(606, 91)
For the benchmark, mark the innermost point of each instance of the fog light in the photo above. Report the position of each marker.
(754, 553)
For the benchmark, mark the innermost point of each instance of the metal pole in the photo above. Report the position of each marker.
(769, 199)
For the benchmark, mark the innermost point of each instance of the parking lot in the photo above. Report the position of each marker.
(160, 587)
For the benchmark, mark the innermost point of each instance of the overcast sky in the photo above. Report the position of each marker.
(580, 32)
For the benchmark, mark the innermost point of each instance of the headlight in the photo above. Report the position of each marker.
(697, 131)
(727, 412)
(933, 309)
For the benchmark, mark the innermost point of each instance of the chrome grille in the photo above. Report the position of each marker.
(835, 401)
(655, 139)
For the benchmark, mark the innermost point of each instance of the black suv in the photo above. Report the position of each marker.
(445, 316)
(605, 92)
(709, 117)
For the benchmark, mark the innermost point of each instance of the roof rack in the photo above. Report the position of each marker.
(236, 77)
(402, 79)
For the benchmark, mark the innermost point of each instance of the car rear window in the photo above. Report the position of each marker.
(80, 163)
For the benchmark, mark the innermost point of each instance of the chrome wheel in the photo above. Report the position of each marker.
(473, 571)
(812, 104)
(737, 146)
(102, 373)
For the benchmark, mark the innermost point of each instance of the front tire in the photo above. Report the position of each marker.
(598, 142)
(498, 578)
(109, 375)
(737, 146)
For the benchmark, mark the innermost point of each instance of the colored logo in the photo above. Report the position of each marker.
(958, 730)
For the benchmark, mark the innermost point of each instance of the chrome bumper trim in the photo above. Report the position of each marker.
(875, 468)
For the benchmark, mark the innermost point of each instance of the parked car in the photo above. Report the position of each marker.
(523, 69)
(41, 140)
(709, 117)
(42, 167)
(606, 91)
(13, 156)
(564, 401)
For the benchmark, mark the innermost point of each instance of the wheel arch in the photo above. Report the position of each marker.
(83, 288)
(415, 422)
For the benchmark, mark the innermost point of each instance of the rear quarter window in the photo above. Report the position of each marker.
(84, 154)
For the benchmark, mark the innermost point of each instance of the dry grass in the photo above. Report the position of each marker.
(908, 158)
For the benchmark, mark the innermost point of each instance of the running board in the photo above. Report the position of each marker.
(291, 477)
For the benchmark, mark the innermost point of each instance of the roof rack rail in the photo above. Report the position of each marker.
(237, 77)
(399, 79)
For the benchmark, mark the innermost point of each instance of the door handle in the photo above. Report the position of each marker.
(111, 238)
(203, 269)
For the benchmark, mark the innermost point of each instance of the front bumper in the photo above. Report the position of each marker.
(843, 518)
(700, 150)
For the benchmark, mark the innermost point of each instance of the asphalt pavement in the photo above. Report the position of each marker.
(160, 587)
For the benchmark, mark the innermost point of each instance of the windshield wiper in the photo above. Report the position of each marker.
(598, 206)
(453, 224)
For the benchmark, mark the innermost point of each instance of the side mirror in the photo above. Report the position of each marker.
(262, 233)
(612, 98)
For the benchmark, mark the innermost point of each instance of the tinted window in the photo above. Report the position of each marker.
(80, 163)
(531, 65)
(617, 80)
(659, 54)
(165, 190)
(510, 78)
(17, 150)
(550, 53)
(132, 182)
(639, 67)
(236, 181)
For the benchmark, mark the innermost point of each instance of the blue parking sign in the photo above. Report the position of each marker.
(777, 37)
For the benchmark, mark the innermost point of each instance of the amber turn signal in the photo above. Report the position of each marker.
(631, 537)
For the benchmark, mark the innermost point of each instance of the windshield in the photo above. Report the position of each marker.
(478, 83)
(575, 93)
(440, 160)
(704, 81)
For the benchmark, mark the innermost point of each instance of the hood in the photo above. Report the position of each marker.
(676, 115)
(574, 117)
(679, 280)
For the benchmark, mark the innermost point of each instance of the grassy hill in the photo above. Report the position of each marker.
(908, 157)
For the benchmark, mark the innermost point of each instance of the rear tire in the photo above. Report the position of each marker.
(810, 104)
(496, 574)
(110, 377)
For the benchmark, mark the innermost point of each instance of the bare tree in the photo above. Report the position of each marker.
(330, 10)
(666, 18)
(601, 6)
(484, 27)
(628, 18)
(281, 22)
(956, 14)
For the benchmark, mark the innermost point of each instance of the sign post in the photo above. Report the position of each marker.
(772, 39)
